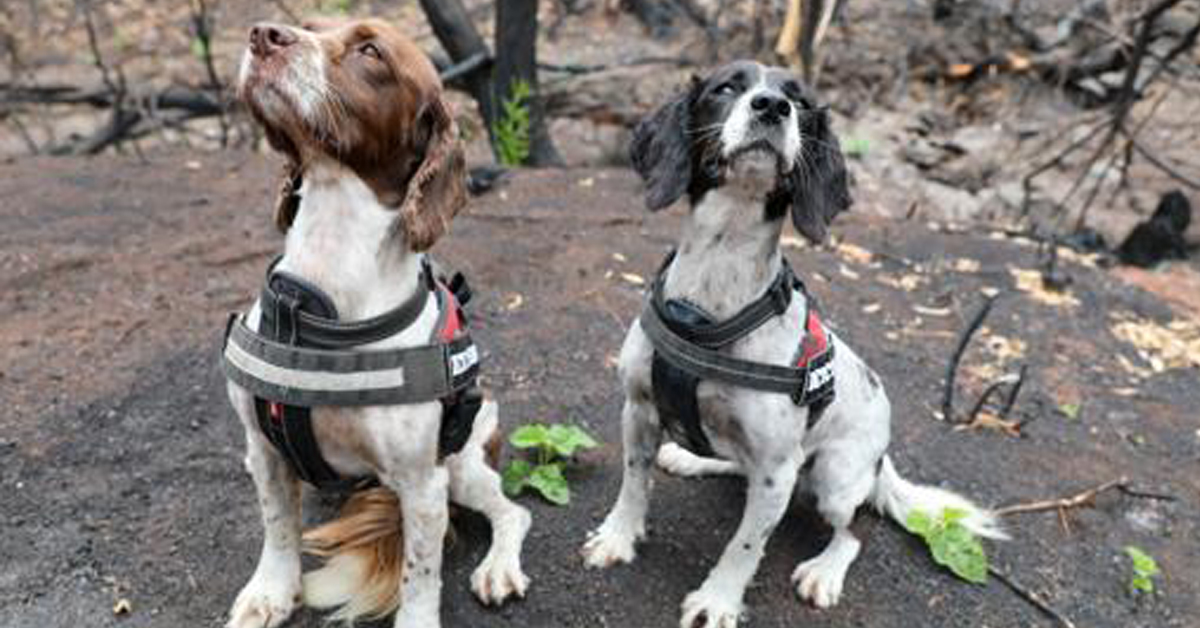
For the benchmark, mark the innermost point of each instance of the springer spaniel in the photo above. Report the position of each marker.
(746, 145)
(375, 174)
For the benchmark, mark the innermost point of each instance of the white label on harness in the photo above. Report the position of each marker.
(464, 360)
(820, 376)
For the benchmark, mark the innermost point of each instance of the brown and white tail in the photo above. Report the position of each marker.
(363, 550)
(897, 497)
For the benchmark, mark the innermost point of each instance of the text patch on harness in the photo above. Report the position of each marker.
(688, 347)
(302, 356)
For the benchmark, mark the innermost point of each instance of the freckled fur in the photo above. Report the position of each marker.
(728, 255)
(374, 176)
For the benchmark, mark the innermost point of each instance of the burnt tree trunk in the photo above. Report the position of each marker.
(489, 83)
(452, 26)
(516, 39)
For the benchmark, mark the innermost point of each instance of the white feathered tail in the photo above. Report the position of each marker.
(896, 497)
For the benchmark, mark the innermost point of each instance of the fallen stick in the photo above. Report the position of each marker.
(1085, 498)
(1031, 597)
(952, 369)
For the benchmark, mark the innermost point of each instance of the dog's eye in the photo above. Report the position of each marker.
(725, 89)
(371, 50)
(791, 89)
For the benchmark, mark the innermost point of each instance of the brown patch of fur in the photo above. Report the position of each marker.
(493, 448)
(370, 526)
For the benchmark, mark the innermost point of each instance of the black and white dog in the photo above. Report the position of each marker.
(744, 146)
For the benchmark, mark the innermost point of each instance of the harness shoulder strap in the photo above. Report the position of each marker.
(774, 302)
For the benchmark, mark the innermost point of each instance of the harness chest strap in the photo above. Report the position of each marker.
(304, 376)
(805, 384)
(301, 358)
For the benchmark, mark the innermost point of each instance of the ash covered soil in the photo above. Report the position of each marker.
(120, 459)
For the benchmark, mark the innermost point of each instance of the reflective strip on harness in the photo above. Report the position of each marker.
(305, 376)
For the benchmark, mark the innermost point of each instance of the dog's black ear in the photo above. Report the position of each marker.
(818, 182)
(661, 150)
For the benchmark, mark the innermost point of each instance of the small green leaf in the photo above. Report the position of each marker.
(1070, 410)
(1144, 570)
(951, 544)
(1142, 584)
(962, 553)
(953, 515)
(565, 439)
(199, 48)
(528, 436)
(1143, 563)
(549, 481)
(857, 147)
(515, 477)
(919, 523)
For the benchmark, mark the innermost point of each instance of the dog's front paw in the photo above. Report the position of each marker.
(610, 544)
(819, 580)
(498, 577)
(265, 602)
(709, 608)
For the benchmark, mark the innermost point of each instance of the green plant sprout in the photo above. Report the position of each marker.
(951, 544)
(511, 130)
(857, 147)
(554, 445)
(1145, 568)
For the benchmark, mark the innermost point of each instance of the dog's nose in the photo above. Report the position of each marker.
(266, 38)
(771, 108)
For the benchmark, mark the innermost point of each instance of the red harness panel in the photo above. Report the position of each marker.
(815, 341)
(453, 316)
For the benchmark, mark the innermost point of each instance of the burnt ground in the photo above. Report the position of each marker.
(120, 473)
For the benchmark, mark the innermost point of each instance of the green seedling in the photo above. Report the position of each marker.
(1070, 410)
(553, 446)
(511, 130)
(199, 48)
(337, 7)
(857, 147)
(1145, 568)
(951, 544)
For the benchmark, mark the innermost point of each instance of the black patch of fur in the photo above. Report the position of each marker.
(818, 183)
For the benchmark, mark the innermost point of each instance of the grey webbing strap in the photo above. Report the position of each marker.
(318, 377)
(709, 364)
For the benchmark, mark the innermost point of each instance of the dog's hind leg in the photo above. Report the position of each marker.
(476, 485)
(678, 461)
(273, 592)
(842, 480)
(613, 542)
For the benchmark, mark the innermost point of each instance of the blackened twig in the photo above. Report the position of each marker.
(1016, 390)
(987, 394)
(1031, 597)
(202, 22)
(952, 369)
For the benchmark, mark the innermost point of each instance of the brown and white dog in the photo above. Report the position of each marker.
(375, 174)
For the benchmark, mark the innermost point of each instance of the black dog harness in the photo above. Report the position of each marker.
(303, 356)
(687, 349)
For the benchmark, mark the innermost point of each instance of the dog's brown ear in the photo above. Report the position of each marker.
(437, 191)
